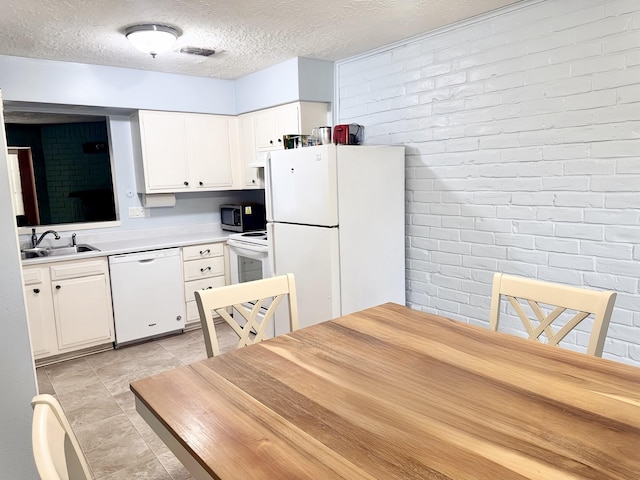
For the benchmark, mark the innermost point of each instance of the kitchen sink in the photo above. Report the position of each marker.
(57, 251)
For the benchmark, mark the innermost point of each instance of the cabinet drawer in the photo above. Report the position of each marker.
(34, 275)
(205, 268)
(193, 315)
(192, 312)
(78, 269)
(196, 252)
(205, 283)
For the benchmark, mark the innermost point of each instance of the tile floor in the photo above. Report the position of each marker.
(94, 393)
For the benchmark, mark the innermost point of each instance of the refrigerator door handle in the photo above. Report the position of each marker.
(267, 188)
(271, 256)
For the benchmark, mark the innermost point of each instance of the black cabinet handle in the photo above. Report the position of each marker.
(36, 290)
(253, 181)
(58, 287)
(279, 140)
(205, 252)
(201, 183)
(271, 142)
(205, 269)
(186, 184)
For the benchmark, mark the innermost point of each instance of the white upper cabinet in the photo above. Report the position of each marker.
(297, 118)
(248, 152)
(262, 132)
(190, 152)
(208, 151)
(271, 124)
(163, 148)
(181, 152)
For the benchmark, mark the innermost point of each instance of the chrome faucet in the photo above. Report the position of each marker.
(35, 241)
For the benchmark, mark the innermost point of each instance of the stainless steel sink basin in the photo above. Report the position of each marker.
(57, 251)
(71, 250)
(34, 252)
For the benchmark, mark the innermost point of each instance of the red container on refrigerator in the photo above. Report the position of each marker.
(348, 134)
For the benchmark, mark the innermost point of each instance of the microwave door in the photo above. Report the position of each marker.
(226, 216)
(229, 218)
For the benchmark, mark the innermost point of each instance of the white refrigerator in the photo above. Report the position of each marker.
(335, 219)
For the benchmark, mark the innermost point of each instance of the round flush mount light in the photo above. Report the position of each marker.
(152, 38)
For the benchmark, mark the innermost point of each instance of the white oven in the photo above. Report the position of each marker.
(248, 256)
(248, 261)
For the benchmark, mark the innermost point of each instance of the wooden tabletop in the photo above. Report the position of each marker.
(390, 392)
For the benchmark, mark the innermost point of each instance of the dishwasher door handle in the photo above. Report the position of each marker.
(147, 260)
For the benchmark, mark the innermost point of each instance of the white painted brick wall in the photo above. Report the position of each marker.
(522, 133)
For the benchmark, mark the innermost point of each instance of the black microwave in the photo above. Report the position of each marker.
(242, 218)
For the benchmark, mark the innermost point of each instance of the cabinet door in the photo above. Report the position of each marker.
(209, 152)
(265, 131)
(164, 151)
(287, 119)
(248, 151)
(83, 311)
(42, 329)
(273, 123)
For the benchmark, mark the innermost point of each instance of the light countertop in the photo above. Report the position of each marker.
(136, 242)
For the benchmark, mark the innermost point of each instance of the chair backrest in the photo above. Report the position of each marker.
(56, 450)
(255, 316)
(564, 298)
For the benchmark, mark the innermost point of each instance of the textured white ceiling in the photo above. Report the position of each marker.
(248, 35)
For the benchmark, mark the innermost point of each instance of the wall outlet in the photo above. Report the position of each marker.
(138, 212)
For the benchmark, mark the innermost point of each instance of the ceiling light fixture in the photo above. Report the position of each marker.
(151, 38)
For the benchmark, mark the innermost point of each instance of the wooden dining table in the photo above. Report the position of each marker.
(394, 393)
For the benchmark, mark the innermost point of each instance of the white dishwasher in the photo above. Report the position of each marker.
(148, 294)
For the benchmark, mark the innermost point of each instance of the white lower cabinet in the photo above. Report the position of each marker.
(204, 267)
(42, 327)
(69, 304)
(72, 309)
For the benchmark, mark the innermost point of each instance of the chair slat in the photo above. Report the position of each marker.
(587, 303)
(255, 320)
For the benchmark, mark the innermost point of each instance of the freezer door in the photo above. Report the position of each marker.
(311, 254)
(302, 186)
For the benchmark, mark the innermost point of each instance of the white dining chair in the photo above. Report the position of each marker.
(249, 302)
(556, 299)
(56, 450)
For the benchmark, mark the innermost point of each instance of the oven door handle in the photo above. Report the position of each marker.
(247, 247)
